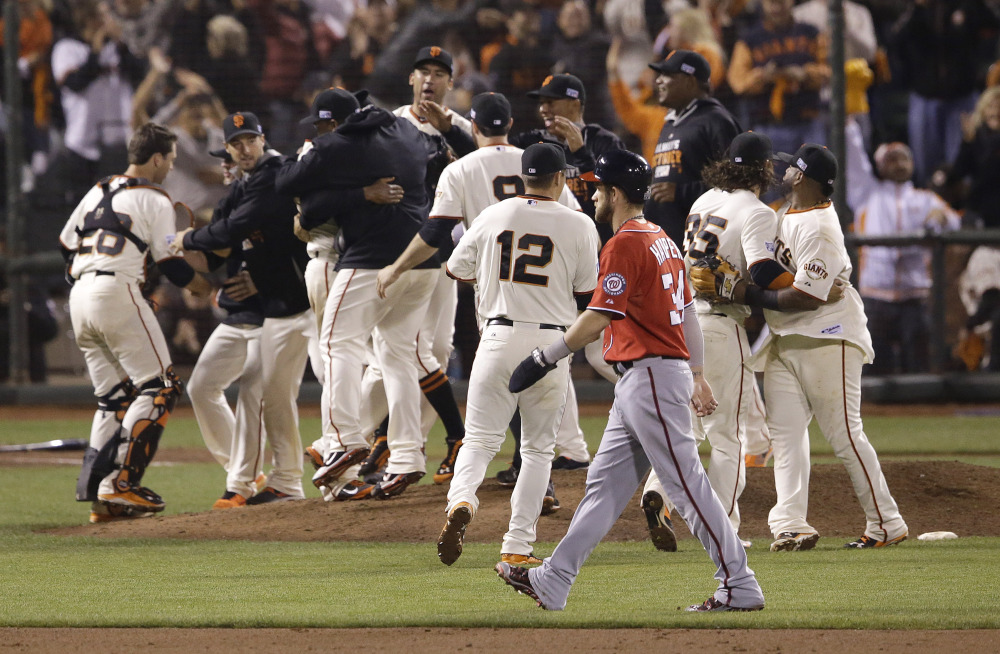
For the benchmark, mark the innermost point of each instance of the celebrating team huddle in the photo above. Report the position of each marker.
(347, 253)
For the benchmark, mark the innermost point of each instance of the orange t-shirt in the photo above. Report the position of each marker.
(642, 284)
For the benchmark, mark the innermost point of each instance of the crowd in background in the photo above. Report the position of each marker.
(922, 73)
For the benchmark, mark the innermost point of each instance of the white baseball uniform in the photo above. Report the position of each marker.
(466, 187)
(114, 326)
(528, 256)
(813, 368)
(739, 228)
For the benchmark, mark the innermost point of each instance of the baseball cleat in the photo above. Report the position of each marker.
(661, 528)
(229, 500)
(271, 494)
(394, 484)
(758, 460)
(446, 470)
(378, 456)
(520, 559)
(712, 604)
(745, 543)
(508, 477)
(104, 512)
(354, 490)
(315, 458)
(137, 497)
(518, 578)
(335, 464)
(550, 503)
(453, 533)
(794, 542)
(867, 542)
(566, 463)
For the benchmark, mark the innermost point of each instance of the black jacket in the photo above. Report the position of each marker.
(596, 141)
(238, 312)
(700, 133)
(371, 144)
(260, 225)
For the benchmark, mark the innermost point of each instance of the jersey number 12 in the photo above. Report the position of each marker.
(521, 264)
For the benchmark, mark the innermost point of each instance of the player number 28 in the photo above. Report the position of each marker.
(521, 264)
(701, 235)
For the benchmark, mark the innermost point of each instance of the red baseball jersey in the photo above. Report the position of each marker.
(642, 284)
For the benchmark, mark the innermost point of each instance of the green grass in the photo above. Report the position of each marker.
(50, 580)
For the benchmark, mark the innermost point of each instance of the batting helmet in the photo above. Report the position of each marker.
(626, 170)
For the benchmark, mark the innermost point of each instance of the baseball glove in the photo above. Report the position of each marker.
(714, 279)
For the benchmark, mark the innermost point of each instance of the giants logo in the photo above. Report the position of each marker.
(816, 269)
(435, 51)
(238, 121)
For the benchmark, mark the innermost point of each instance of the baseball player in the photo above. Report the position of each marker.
(530, 257)
(232, 353)
(813, 364)
(371, 144)
(260, 224)
(465, 189)
(696, 131)
(105, 241)
(431, 80)
(642, 306)
(730, 222)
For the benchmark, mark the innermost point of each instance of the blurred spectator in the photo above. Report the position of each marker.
(639, 113)
(428, 22)
(943, 47)
(894, 282)
(35, 36)
(42, 328)
(290, 57)
(96, 75)
(978, 161)
(231, 74)
(522, 63)
(979, 288)
(690, 29)
(581, 49)
(859, 29)
(369, 30)
(142, 23)
(778, 67)
(188, 28)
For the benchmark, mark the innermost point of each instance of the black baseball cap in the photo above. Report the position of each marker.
(543, 159)
(750, 148)
(561, 86)
(331, 104)
(490, 110)
(242, 122)
(814, 160)
(435, 55)
(684, 61)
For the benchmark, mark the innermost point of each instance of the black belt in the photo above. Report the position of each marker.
(507, 322)
(109, 273)
(621, 366)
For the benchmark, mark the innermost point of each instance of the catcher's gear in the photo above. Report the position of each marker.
(529, 371)
(714, 279)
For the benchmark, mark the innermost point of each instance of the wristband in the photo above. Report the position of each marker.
(556, 351)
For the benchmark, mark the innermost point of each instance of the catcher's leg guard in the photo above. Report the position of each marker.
(143, 425)
(105, 437)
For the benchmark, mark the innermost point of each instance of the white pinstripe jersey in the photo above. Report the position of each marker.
(149, 214)
(480, 179)
(739, 228)
(529, 256)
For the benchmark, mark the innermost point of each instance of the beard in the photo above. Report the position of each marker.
(603, 214)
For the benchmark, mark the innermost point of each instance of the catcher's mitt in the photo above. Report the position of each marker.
(714, 279)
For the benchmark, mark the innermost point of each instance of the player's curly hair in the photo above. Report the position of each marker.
(728, 176)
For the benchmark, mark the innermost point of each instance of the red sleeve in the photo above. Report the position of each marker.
(616, 279)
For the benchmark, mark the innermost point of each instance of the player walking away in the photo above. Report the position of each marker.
(261, 225)
(730, 222)
(465, 189)
(232, 353)
(696, 131)
(642, 306)
(813, 364)
(105, 242)
(371, 144)
(529, 256)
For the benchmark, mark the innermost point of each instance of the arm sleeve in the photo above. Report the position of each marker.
(693, 338)
(436, 231)
(177, 271)
(860, 176)
(459, 140)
